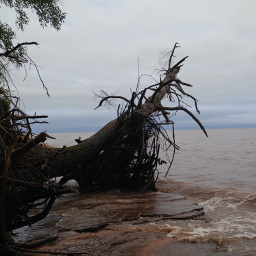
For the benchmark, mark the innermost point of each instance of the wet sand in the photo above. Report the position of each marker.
(127, 224)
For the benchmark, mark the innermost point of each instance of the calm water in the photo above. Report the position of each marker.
(226, 159)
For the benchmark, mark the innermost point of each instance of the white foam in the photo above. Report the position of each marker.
(228, 227)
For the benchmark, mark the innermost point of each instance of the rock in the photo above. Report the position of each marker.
(90, 213)
(42, 232)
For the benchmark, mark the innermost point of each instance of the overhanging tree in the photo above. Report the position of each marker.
(13, 53)
(15, 128)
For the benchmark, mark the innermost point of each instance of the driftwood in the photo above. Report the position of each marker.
(124, 154)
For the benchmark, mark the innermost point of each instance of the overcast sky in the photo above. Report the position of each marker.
(99, 45)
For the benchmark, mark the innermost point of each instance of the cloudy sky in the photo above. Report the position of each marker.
(99, 45)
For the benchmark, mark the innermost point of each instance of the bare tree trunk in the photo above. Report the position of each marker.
(124, 154)
(73, 162)
(71, 159)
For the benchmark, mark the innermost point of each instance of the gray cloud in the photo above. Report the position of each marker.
(98, 48)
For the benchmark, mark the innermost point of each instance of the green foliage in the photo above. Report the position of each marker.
(12, 119)
(48, 12)
(7, 35)
(6, 44)
(5, 100)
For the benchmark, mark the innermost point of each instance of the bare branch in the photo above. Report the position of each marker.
(177, 65)
(22, 183)
(38, 73)
(112, 97)
(180, 82)
(39, 138)
(172, 54)
(187, 111)
(7, 53)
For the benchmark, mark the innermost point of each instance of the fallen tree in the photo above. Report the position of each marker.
(124, 154)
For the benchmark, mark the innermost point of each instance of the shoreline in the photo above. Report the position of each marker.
(146, 235)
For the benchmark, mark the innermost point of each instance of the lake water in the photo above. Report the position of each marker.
(225, 160)
(218, 172)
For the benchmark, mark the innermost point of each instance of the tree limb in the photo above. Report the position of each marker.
(7, 53)
(187, 111)
(176, 45)
(112, 97)
(22, 183)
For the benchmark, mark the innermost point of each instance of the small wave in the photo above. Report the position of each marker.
(230, 215)
(227, 233)
(198, 234)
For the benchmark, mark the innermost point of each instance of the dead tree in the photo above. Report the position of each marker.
(124, 154)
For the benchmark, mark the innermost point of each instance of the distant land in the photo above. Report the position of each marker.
(55, 127)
